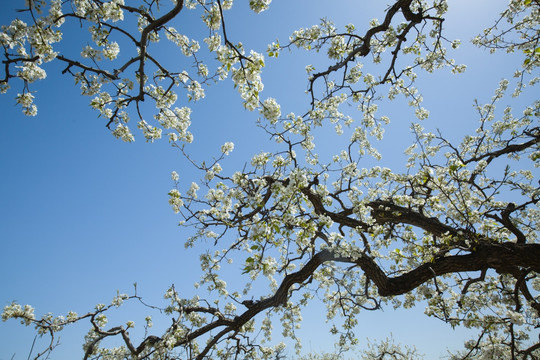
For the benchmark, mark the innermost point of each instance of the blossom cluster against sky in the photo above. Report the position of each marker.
(83, 215)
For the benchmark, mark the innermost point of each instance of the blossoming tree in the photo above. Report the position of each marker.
(458, 229)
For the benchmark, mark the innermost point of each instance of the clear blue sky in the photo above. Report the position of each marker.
(83, 215)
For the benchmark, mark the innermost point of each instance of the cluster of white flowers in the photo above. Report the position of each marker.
(213, 42)
(175, 200)
(189, 48)
(212, 18)
(101, 103)
(122, 132)
(118, 300)
(202, 70)
(260, 160)
(248, 79)
(151, 133)
(89, 52)
(227, 147)
(164, 98)
(195, 91)
(210, 173)
(26, 100)
(192, 192)
(14, 35)
(14, 310)
(421, 113)
(111, 50)
(305, 37)
(355, 73)
(31, 72)
(259, 5)
(179, 120)
(271, 110)
(337, 48)
(112, 10)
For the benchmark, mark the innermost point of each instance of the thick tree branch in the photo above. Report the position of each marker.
(502, 258)
(143, 43)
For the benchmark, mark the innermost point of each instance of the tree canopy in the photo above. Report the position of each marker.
(318, 215)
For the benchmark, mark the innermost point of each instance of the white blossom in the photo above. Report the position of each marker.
(227, 148)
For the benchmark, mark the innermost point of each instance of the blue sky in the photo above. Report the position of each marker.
(83, 215)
